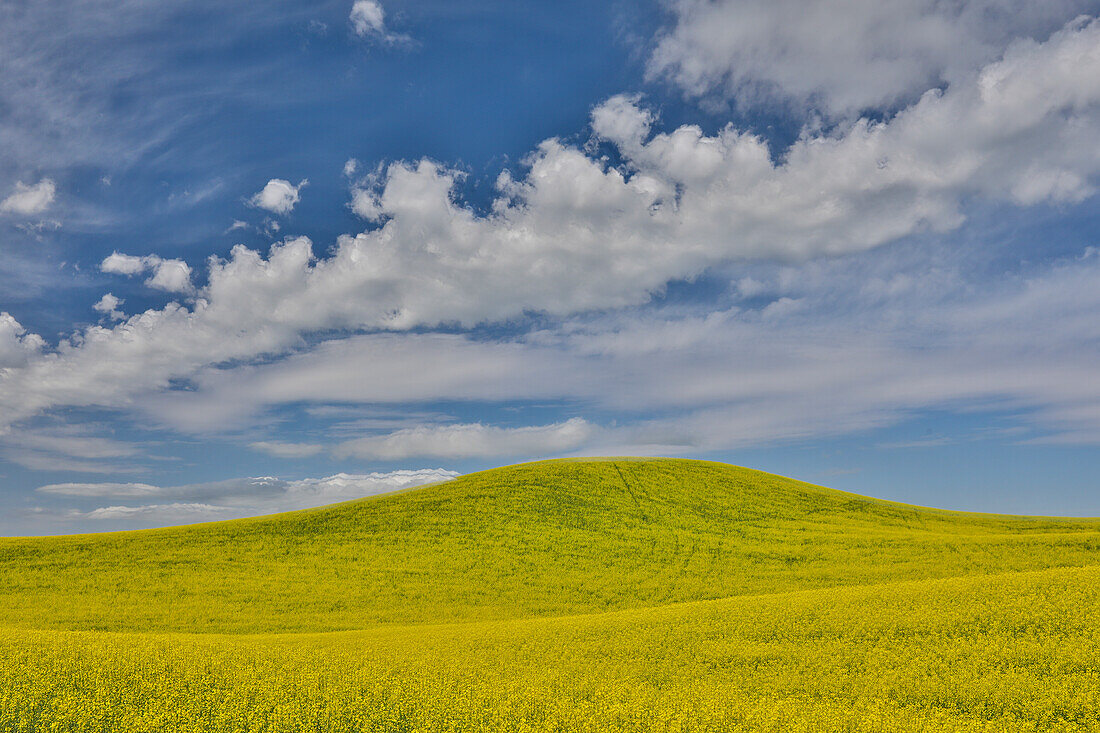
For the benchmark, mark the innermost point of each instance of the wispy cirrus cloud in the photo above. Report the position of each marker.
(71, 449)
(101, 489)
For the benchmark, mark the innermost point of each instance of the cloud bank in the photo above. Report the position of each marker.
(842, 56)
(233, 498)
(795, 361)
(576, 234)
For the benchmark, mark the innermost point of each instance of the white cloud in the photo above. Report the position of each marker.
(16, 345)
(368, 20)
(108, 306)
(747, 287)
(172, 276)
(350, 167)
(575, 235)
(278, 196)
(286, 450)
(370, 369)
(30, 199)
(100, 489)
(67, 449)
(869, 345)
(122, 264)
(40, 461)
(343, 486)
(235, 497)
(265, 489)
(365, 203)
(155, 513)
(59, 119)
(367, 16)
(622, 120)
(842, 56)
(69, 442)
(471, 440)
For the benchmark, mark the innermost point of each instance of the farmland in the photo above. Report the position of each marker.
(563, 595)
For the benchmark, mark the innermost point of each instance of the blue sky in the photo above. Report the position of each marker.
(255, 258)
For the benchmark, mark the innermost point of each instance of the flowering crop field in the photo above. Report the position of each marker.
(562, 596)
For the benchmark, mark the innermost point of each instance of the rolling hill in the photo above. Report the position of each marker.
(644, 594)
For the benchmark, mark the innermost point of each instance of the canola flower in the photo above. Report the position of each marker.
(685, 597)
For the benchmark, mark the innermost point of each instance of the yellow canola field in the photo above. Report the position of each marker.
(552, 538)
(580, 595)
(1011, 652)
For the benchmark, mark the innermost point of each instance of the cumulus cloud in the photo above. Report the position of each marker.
(108, 306)
(471, 440)
(842, 56)
(16, 345)
(368, 20)
(235, 497)
(172, 276)
(278, 196)
(365, 203)
(122, 264)
(29, 199)
(576, 235)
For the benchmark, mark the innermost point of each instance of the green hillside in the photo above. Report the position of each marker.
(562, 595)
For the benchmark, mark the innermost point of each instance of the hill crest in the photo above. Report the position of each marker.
(537, 539)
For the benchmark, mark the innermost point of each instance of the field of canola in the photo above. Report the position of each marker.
(562, 596)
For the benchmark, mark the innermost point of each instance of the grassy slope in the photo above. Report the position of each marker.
(582, 590)
(549, 538)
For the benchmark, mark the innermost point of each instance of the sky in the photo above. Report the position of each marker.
(260, 257)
